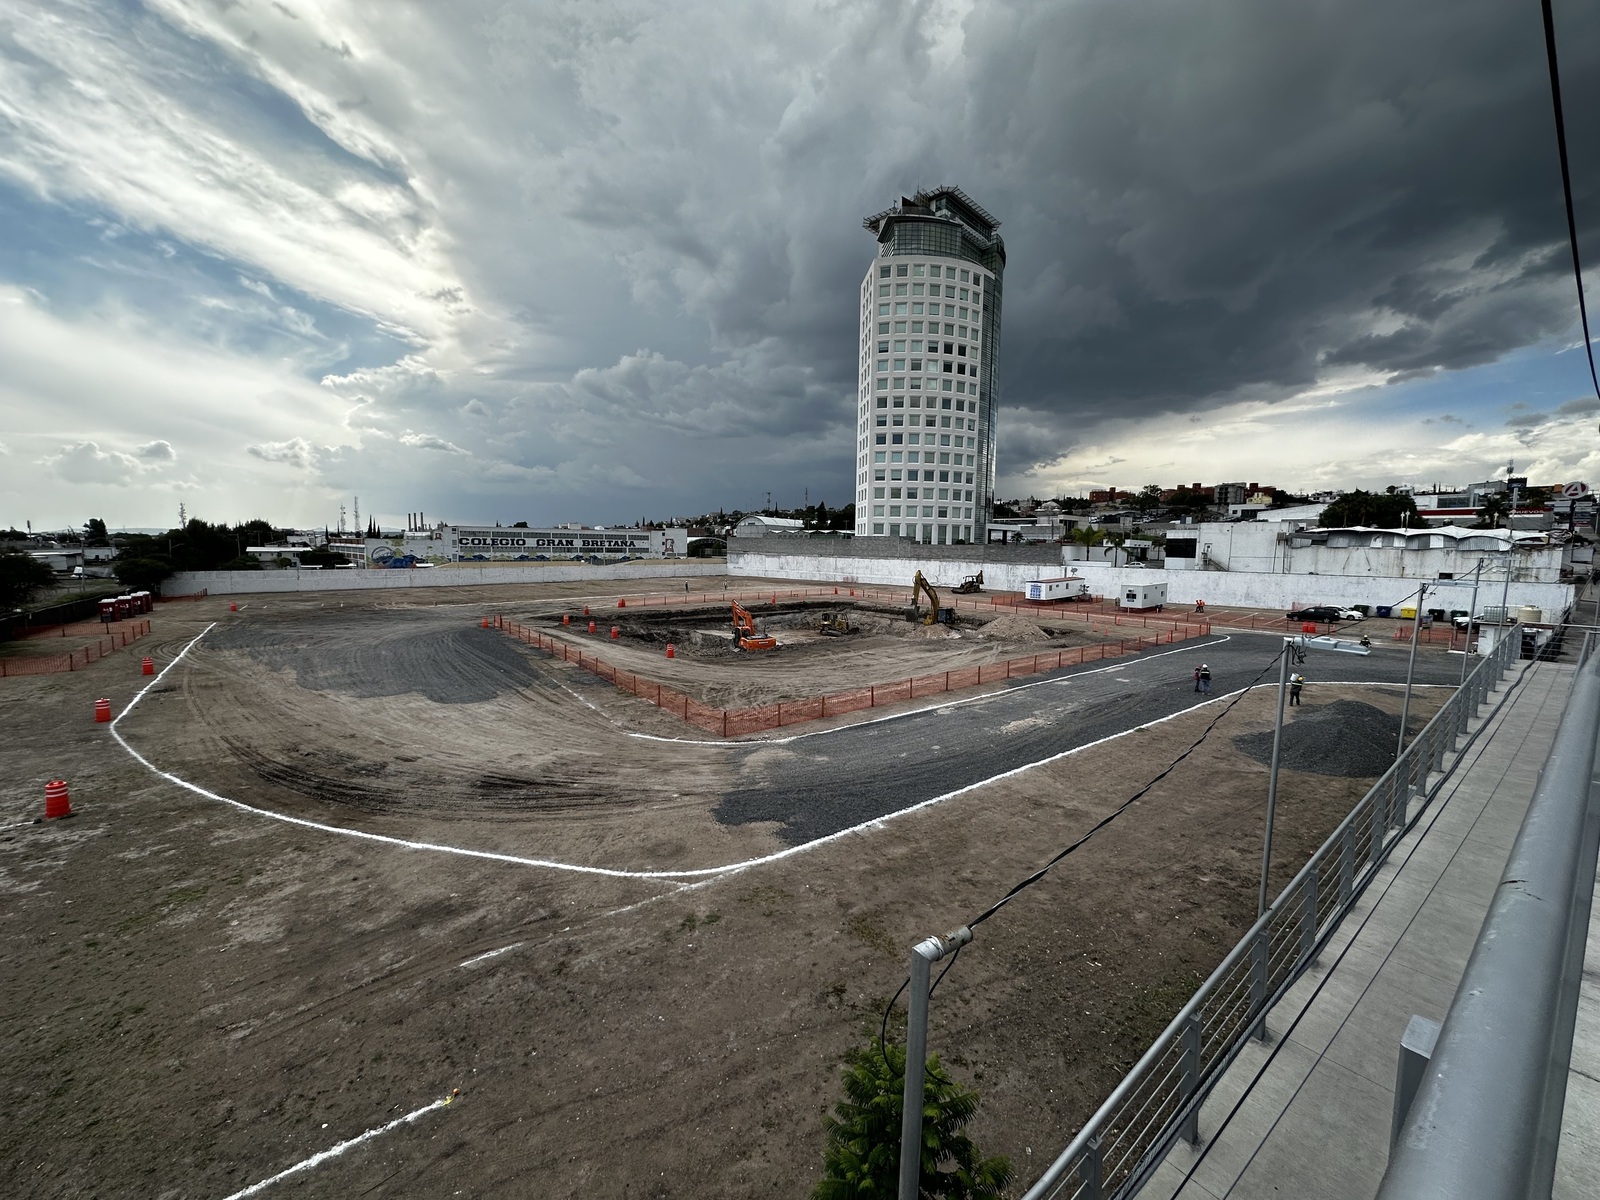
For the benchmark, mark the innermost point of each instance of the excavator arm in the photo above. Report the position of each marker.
(920, 585)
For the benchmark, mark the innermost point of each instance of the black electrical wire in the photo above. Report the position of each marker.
(1566, 186)
(883, 1029)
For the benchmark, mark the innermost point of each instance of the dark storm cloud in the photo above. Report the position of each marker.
(606, 254)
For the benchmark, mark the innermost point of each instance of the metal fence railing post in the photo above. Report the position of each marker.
(1308, 918)
(1347, 865)
(1191, 1078)
(1379, 819)
(1258, 982)
(1089, 1171)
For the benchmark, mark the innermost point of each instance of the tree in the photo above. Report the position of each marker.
(143, 574)
(21, 575)
(94, 533)
(1087, 536)
(1149, 497)
(321, 557)
(1379, 511)
(862, 1159)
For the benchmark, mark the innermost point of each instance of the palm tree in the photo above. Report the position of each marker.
(1086, 537)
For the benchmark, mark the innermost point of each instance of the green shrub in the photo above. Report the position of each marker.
(862, 1160)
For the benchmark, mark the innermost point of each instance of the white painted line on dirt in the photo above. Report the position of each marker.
(914, 712)
(472, 962)
(702, 873)
(332, 1152)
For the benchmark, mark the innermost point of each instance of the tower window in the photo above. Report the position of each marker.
(901, 270)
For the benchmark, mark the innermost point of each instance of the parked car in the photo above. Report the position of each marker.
(1352, 614)
(1318, 612)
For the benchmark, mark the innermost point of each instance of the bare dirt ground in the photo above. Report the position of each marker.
(887, 648)
(198, 997)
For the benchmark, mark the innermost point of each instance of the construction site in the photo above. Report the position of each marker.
(411, 893)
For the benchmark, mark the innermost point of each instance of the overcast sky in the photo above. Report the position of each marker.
(591, 261)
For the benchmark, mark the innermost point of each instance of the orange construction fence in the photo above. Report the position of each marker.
(50, 664)
(732, 722)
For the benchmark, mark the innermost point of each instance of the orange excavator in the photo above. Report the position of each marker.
(745, 636)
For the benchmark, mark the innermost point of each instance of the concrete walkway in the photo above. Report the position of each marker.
(1316, 1123)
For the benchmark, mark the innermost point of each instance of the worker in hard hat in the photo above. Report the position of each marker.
(1205, 678)
(1296, 682)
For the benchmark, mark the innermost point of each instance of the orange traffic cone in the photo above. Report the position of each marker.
(56, 801)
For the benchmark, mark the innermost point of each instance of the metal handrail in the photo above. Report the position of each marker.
(1203, 1040)
(1486, 1118)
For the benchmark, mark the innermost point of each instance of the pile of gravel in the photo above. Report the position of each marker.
(1346, 738)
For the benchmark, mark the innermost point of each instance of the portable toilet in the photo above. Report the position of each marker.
(124, 607)
(108, 610)
(1143, 596)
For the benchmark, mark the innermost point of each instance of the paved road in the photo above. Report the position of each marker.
(837, 779)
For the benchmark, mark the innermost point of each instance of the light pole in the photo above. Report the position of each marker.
(1411, 666)
(1295, 648)
(1284, 655)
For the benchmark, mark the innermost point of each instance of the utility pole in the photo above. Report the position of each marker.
(355, 518)
(1411, 666)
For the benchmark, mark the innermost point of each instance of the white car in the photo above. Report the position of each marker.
(1351, 614)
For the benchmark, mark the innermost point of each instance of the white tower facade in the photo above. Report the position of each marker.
(928, 377)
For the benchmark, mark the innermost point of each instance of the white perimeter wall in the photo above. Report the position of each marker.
(1232, 589)
(238, 583)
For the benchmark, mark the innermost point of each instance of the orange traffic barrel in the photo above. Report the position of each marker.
(565, 619)
(102, 710)
(672, 651)
(622, 602)
(484, 624)
(774, 599)
(591, 626)
(56, 801)
(147, 666)
(1308, 627)
(586, 610)
(233, 606)
(614, 633)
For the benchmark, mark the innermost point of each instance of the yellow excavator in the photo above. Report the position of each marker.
(745, 636)
(936, 613)
(969, 586)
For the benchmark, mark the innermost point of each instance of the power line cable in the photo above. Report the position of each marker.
(1566, 186)
(1036, 876)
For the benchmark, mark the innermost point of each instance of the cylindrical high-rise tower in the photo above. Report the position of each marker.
(930, 349)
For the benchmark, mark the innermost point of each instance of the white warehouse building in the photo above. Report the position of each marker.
(928, 397)
(464, 543)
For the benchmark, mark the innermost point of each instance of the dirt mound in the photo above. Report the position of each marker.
(1012, 628)
(933, 632)
(1346, 738)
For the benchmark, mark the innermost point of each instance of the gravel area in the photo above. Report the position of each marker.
(1348, 738)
